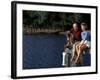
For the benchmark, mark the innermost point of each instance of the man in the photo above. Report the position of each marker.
(73, 35)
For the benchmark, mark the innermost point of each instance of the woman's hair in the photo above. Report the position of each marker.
(84, 24)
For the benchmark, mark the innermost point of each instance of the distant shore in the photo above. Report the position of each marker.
(43, 31)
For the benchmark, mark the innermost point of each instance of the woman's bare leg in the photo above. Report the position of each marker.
(78, 53)
(82, 47)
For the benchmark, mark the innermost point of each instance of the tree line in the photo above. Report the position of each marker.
(44, 19)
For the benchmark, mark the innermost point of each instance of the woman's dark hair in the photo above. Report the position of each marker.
(84, 24)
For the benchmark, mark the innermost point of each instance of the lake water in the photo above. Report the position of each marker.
(43, 50)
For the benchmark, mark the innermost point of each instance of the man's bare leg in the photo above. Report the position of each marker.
(73, 54)
(71, 38)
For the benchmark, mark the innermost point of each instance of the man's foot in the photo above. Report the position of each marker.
(76, 61)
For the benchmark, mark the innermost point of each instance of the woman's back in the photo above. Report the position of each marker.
(85, 35)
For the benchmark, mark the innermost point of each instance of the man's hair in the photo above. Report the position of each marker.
(76, 23)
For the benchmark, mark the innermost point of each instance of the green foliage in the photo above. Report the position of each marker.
(43, 19)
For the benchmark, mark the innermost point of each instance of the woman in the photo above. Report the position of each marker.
(85, 43)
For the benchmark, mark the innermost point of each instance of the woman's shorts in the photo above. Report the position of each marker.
(88, 44)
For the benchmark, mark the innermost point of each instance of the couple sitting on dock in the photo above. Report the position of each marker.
(79, 40)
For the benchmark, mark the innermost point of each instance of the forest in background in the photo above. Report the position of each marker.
(43, 21)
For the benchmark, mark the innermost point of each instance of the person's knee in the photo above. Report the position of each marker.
(68, 33)
(72, 35)
(77, 46)
(74, 50)
(80, 47)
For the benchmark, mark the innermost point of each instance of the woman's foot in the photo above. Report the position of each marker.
(75, 62)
